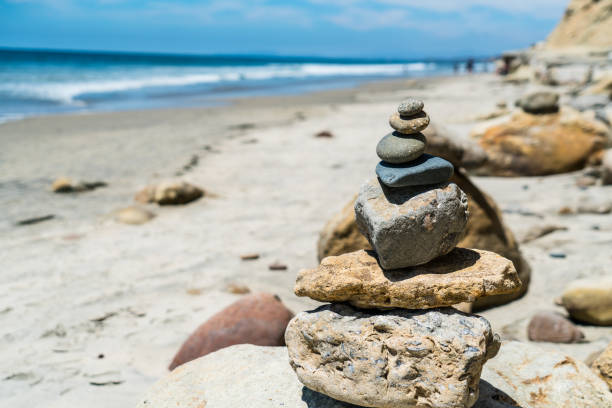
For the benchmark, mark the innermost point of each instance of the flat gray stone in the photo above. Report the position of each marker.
(400, 148)
(390, 359)
(409, 124)
(412, 225)
(427, 169)
(409, 107)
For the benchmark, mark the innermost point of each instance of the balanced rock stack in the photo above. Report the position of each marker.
(389, 337)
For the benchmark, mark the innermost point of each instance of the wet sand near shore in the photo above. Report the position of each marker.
(94, 310)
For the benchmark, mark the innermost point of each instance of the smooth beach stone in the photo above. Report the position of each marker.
(400, 148)
(425, 170)
(409, 107)
(462, 275)
(589, 300)
(409, 124)
(412, 225)
(394, 358)
(554, 328)
(539, 378)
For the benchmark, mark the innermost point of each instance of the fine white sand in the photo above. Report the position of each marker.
(93, 310)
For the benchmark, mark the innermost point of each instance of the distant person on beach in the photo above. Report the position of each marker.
(469, 66)
(455, 68)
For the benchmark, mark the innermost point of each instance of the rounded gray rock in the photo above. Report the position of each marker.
(409, 107)
(400, 148)
(409, 125)
(411, 225)
(393, 358)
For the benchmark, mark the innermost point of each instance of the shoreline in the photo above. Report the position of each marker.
(82, 285)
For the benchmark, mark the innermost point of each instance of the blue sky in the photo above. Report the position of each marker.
(355, 28)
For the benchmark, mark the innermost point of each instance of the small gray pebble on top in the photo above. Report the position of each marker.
(410, 106)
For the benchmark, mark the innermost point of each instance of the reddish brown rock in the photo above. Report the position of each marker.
(258, 319)
(553, 328)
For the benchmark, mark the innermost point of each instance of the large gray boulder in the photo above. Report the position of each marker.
(536, 378)
(411, 225)
(394, 358)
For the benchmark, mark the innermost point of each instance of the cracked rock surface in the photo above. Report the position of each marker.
(411, 225)
(396, 358)
(463, 275)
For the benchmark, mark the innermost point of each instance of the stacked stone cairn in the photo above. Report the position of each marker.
(390, 337)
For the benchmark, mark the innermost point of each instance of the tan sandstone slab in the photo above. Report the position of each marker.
(460, 276)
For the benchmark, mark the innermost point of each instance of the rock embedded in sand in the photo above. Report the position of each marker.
(258, 319)
(409, 124)
(539, 102)
(603, 365)
(460, 276)
(391, 358)
(65, 185)
(425, 170)
(411, 226)
(537, 145)
(410, 107)
(134, 215)
(589, 300)
(399, 148)
(340, 234)
(169, 193)
(536, 378)
(554, 328)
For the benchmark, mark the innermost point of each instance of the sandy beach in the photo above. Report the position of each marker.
(94, 310)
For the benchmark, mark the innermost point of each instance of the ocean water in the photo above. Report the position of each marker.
(47, 82)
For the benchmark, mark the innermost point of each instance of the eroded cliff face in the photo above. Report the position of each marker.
(585, 24)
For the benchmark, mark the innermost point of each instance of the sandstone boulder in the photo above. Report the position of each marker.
(589, 300)
(169, 193)
(341, 235)
(462, 153)
(258, 319)
(603, 365)
(536, 145)
(396, 358)
(411, 225)
(460, 276)
(536, 378)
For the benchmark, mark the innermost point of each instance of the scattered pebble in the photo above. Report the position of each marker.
(276, 266)
(324, 134)
(539, 231)
(249, 257)
(35, 220)
(554, 328)
(65, 185)
(194, 291)
(237, 288)
(565, 210)
(559, 255)
(100, 356)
